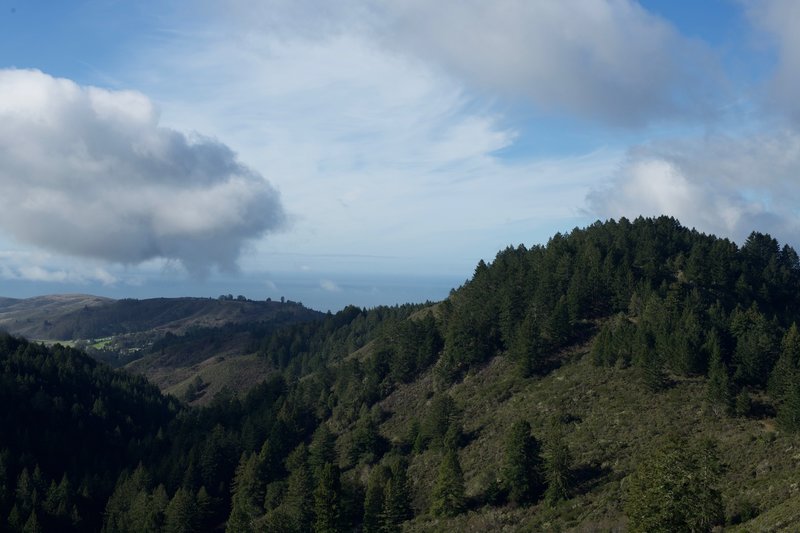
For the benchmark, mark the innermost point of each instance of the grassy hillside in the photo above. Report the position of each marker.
(612, 422)
(630, 376)
(73, 317)
(37, 318)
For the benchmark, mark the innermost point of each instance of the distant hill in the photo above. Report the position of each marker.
(41, 317)
(72, 317)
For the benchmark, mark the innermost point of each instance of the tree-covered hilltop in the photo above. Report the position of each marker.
(632, 374)
(68, 425)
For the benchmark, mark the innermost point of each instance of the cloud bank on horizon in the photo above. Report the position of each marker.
(90, 172)
(429, 134)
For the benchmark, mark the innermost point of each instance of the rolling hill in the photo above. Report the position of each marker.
(629, 376)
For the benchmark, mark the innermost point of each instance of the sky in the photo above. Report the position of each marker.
(371, 152)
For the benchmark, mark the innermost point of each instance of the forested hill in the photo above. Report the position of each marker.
(630, 375)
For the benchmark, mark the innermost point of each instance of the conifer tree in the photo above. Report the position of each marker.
(322, 448)
(248, 495)
(373, 501)
(14, 519)
(327, 500)
(675, 489)
(181, 514)
(397, 500)
(718, 390)
(789, 407)
(743, 403)
(559, 325)
(528, 347)
(787, 364)
(448, 493)
(557, 465)
(32, 525)
(367, 442)
(522, 469)
(299, 502)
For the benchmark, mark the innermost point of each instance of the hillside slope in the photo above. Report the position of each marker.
(37, 317)
(73, 317)
(629, 376)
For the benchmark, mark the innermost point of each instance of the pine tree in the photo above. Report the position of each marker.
(718, 390)
(743, 404)
(655, 379)
(448, 493)
(675, 489)
(327, 495)
(299, 502)
(14, 519)
(527, 350)
(32, 525)
(559, 325)
(248, 494)
(397, 500)
(787, 365)
(522, 470)
(203, 505)
(373, 501)
(367, 442)
(557, 465)
(58, 502)
(181, 513)
(322, 448)
(789, 408)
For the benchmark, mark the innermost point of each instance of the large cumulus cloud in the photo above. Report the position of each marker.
(90, 172)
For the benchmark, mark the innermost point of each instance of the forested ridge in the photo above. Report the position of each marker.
(499, 406)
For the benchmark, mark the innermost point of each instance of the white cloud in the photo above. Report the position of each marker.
(610, 60)
(330, 286)
(722, 185)
(89, 172)
(778, 18)
(376, 153)
(42, 267)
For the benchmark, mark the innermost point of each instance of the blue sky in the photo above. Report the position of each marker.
(371, 151)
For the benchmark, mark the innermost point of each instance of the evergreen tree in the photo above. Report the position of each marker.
(448, 493)
(528, 348)
(559, 325)
(789, 407)
(787, 365)
(718, 389)
(442, 417)
(322, 448)
(601, 347)
(327, 496)
(743, 404)
(522, 470)
(203, 506)
(299, 502)
(181, 514)
(397, 499)
(367, 442)
(557, 465)
(248, 494)
(675, 489)
(32, 524)
(14, 519)
(373, 501)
